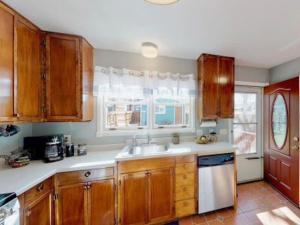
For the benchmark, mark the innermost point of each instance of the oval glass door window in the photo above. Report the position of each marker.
(279, 121)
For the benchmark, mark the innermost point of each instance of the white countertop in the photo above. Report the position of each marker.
(22, 179)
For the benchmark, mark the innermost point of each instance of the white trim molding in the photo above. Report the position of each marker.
(252, 84)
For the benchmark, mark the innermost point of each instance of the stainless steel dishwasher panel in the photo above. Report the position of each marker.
(216, 187)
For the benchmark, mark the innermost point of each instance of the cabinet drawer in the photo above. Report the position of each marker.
(185, 168)
(185, 159)
(187, 179)
(184, 192)
(83, 176)
(185, 208)
(37, 191)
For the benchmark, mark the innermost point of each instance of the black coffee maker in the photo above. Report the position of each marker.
(47, 148)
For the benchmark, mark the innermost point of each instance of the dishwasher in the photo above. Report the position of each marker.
(215, 182)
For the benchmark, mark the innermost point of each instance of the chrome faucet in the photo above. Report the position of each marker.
(134, 142)
(148, 139)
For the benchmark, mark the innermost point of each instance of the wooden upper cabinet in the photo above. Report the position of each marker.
(69, 78)
(29, 96)
(226, 87)
(6, 64)
(208, 87)
(216, 87)
(161, 195)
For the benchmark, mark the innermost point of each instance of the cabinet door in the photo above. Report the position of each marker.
(87, 80)
(226, 87)
(133, 199)
(6, 64)
(208, 87)
(161, 195)
(72, 205)
(28, 70)
(102, 202)
(40, 212)
(63, 82)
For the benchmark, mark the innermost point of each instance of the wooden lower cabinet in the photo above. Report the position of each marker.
(161, 195)
(40, 212)
(71, 205)
(147, 196)
(37, 206)
(84, 201)
(102, 202)
(133, 186)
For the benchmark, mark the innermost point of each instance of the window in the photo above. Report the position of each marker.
(156, 103)
(246, 122)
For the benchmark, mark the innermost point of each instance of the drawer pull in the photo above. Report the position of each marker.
(40, 188)
(87, 174)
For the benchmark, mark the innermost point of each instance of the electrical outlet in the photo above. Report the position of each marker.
(223, 131)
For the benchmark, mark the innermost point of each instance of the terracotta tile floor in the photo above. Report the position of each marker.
(258, 203)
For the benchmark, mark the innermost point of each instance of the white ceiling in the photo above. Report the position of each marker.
(261, 33)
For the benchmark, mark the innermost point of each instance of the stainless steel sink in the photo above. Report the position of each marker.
(146, 149)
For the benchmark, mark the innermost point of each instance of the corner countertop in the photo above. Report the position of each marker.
(22, 179)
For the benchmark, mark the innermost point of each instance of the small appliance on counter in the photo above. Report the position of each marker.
(9, 209)
(47, 148)
(70, 150)
(82, 150)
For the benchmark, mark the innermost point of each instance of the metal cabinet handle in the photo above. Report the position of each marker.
(40, 188)
(28, 212)
(87, 174)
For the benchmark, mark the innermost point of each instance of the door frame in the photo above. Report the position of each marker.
(259, 137)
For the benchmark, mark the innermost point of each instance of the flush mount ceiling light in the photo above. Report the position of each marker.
(149, 50)
(162, 2)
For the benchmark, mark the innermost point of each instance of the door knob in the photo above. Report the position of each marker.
(296, 138)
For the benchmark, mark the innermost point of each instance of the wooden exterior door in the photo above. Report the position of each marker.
(40, 212)
(72, 205)
(102, 202)
(28, 72)
(6, 64)
(161, 195)
(63, 82)
(133, 201)
(281, 142)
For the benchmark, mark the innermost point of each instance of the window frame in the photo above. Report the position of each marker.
(150, 129)
(259, 126)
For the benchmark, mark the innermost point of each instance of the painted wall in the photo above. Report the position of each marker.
(8, 144)
(285, 71)
(251, 74)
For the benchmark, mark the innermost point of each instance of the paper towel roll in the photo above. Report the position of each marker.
(208, 123)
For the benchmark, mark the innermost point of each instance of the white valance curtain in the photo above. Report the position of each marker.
(132, 84)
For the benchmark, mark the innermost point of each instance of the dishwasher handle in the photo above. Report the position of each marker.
(215, 160)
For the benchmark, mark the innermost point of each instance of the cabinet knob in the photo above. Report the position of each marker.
(87, 174)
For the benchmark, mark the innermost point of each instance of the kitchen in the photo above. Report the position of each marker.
(125, 119)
